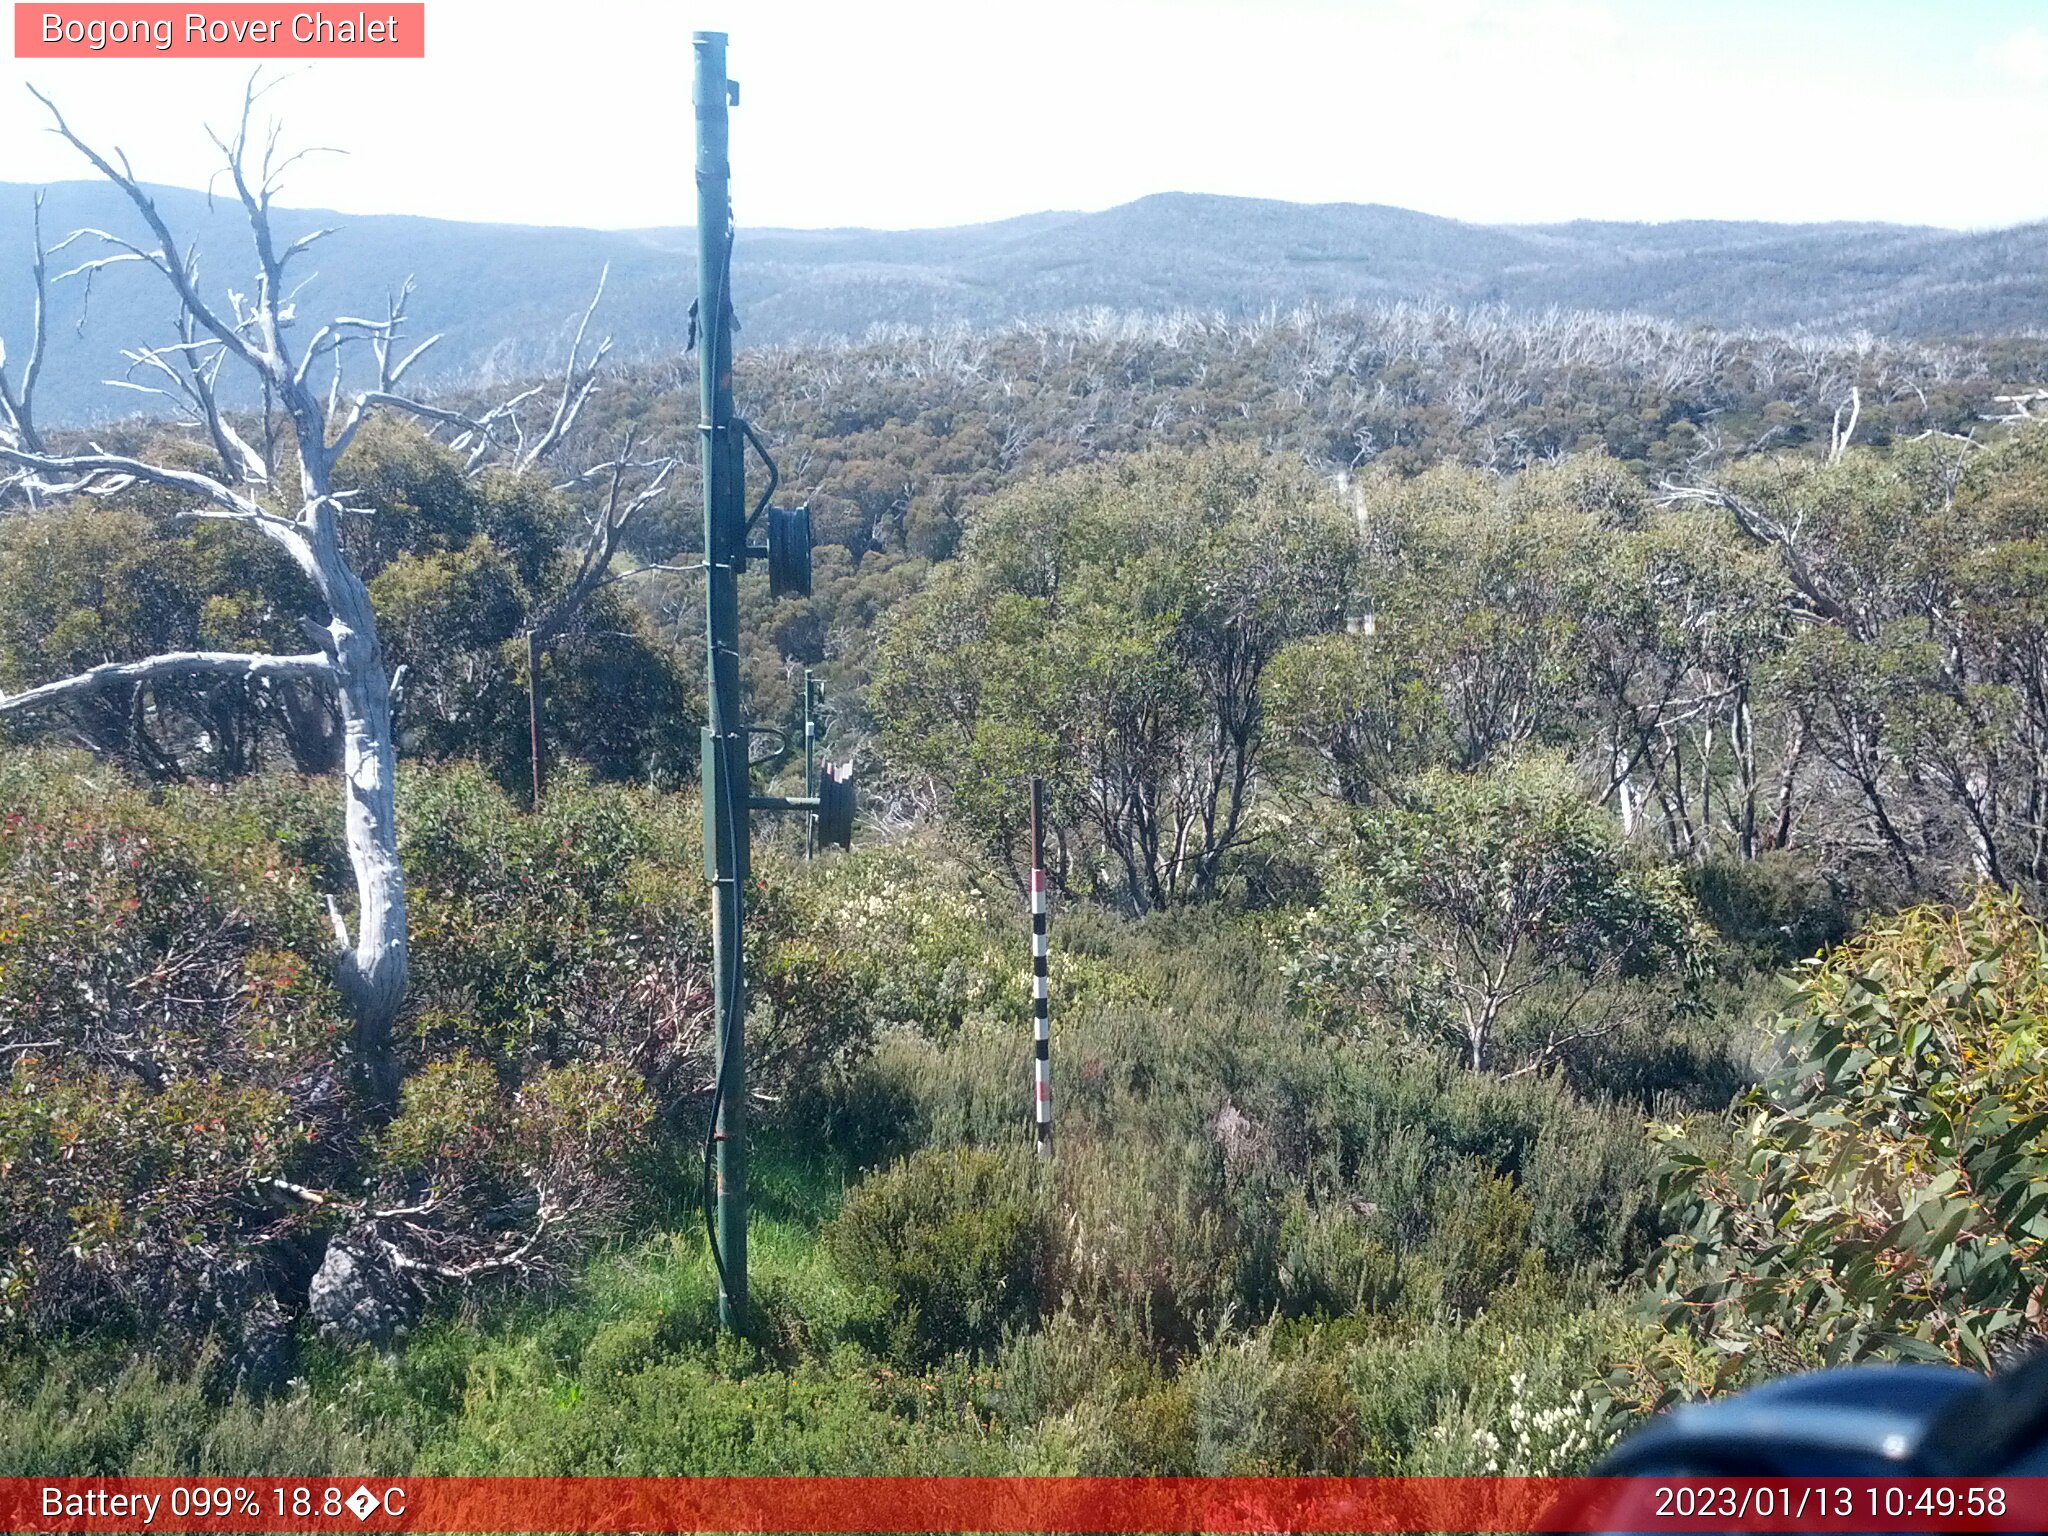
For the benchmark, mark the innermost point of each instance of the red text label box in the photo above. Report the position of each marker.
(237, 31)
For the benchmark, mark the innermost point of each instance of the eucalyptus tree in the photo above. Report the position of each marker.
(1111, 628)
(1502, 914)
(1913, 678)
(1880, 1193)
(1363, 708)
(1471, 579)
(1678, 624)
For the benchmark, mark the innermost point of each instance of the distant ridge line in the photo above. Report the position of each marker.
(503, 294)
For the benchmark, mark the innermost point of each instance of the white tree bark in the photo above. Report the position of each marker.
(18, 397)
(371, 964)
(605, 527)
(170, 664)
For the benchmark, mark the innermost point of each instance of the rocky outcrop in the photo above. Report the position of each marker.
(357, 1298)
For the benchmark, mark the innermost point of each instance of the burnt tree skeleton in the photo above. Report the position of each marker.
(252, 332)
(17, 400)
(603, 531)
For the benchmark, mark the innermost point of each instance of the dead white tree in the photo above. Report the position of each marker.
(2017, 407)
(253, 332)
(630, 486)
(17, 397)
(498, 437)
(1843, 432)
(1819, 598)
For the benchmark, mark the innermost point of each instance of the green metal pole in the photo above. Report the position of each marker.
(725, 757)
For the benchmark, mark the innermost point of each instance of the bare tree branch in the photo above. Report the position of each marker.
(253, 667)
(98, 474)
(162, 259)
(192, 367)
(481, 435)
(370, 399)
(2018, 407)
(579, 379)
(607, 526)
(1766, 530)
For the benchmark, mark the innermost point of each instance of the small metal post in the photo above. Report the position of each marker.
(1041, 1017)
(533, 708)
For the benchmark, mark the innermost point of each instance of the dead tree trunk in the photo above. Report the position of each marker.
(253, 334)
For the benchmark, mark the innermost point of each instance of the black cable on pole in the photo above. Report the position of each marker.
(736, 973)
(734, 976)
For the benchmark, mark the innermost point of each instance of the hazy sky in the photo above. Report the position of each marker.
(899, 113)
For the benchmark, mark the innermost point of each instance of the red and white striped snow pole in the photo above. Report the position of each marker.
(1041, 1018)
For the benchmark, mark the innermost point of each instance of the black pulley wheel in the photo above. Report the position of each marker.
(835, 808)
(789, 551)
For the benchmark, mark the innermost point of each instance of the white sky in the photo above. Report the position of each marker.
(901, 113)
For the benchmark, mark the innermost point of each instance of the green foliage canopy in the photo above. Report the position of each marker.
(1500, 909)
(1110, 629)
(459, 567)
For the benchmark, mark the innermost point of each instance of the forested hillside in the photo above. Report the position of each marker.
(896, 440)
(501, 293)
(1532, 801)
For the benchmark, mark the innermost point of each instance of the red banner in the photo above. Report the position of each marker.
(1021, 1504)
(238, 31)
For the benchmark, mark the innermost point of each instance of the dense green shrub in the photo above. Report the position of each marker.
(89, 583)
(1486, 1227)
(955, 1241)
(931, 954)
(80, 1417)
(1218, 1162)
(579, 933)
(1335, 1261)
(517, 1180)
(1885, 1193)
(1502, 915)
(1772, 911)
(1153, 1246)
(514, 914)
(177, 1062)
(1516, 1393)
(170, 1043)
(688, 1415)
(617, 701)
(1261, 1413)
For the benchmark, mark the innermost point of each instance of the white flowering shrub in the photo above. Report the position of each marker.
(1548, 1417)
(932, 955)
(1528, 1438)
